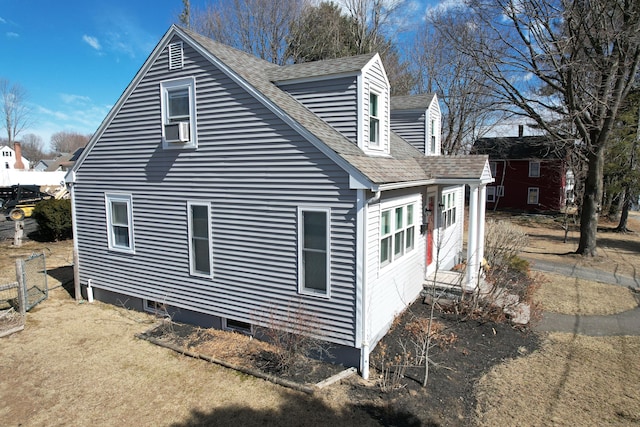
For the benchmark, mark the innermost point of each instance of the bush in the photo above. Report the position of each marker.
(54, 219)
(503, 241)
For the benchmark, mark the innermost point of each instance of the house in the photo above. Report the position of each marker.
(12, 161)
(244, 188)
(64, 161)
(531, 173)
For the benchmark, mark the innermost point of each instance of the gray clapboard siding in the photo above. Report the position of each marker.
(335, 101)
(410, 125)
(253, 170)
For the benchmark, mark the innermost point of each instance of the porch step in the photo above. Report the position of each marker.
(445, 284)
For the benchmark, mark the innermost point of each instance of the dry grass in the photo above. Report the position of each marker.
(81, 365)
(569, 295)
(618, 253)
(571, 381)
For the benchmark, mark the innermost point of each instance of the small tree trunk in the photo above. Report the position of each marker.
(591, 202)
(624, 214)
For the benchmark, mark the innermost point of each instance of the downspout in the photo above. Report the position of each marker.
(74, 227)
(364, 347)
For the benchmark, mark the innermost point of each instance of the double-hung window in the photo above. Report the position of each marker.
(119, 222)
(533, 195)
(534, 169)
(313, 251)
(374, 119)
(199, 238)
(448, 205)
(178, 113)
(397, 232)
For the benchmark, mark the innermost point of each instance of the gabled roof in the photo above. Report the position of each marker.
(517, 147)
(412, 102)
(257, 76)
(348, 65)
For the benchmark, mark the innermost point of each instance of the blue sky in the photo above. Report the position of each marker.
(75, 58)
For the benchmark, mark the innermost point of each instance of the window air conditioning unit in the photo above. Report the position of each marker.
(177, 132)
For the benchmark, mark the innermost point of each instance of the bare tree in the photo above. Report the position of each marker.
(68, 142)
(462, 87)
(562, 61)
(259, 27)
(16, 114)
(33, 148)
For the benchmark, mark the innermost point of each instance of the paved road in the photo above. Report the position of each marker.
(626, 323)
(7, 228)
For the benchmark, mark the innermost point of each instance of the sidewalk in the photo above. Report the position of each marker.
(626, 323)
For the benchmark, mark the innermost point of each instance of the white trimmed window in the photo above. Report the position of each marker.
(433, 137)
(491, 194)
(178, 105)
(534, 169)
(533, 195)
(397, 233)
(374, 119)
(448, 205)
(119, 222)
(494, 168)
(313, 251)
(199, 218)
(500, 190)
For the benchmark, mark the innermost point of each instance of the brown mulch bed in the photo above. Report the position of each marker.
(464, 350)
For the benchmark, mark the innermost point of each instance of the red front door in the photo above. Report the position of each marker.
(430, 215)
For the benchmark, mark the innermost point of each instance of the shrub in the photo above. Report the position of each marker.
(503, 241)
(54, 219)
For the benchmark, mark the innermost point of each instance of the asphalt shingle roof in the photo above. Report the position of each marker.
(412, 102)
(517, 147)
(406, 164)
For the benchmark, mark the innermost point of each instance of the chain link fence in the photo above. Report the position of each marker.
(34, 278)
(19, 297)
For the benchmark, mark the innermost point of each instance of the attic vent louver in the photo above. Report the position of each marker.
(175, 56)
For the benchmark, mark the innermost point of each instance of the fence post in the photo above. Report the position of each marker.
(19, 233)
(22, 292)
(76, 275)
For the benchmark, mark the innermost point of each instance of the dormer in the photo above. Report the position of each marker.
(375, 109)
(417, 119)
(351, 94)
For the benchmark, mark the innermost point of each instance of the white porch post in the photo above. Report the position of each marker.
(482, 206)
(472, 240)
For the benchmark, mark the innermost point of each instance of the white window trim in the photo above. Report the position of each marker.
(301, 288)
(382, 147)
(449, 213)
(392, 208)
(167, 85)
(375, 144)
(127, 198)
(493, 167)
(537, 191)
(500, 192)
(491, 194)
(192, 270)
(155, 307)
(531, 172)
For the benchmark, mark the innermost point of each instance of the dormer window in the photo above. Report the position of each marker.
(433, 137)
(374, 120)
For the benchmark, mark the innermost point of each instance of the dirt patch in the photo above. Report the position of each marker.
(464, 350)
(570, 295)
(572, 380)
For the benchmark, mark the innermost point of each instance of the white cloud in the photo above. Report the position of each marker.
(445, 5)
(92, 41)
(2, 21)
(12, 35)
(68, 98)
